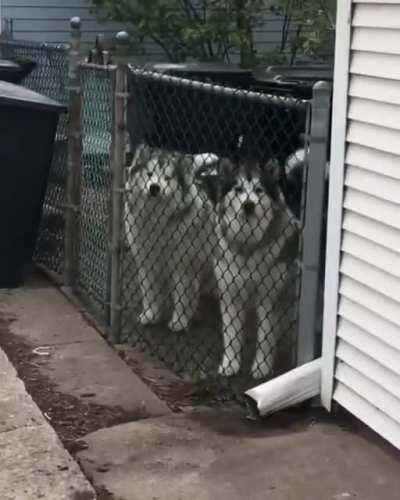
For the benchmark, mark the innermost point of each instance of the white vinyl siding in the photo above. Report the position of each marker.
(367, 366)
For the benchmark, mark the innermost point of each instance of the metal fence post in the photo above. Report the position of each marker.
(313, 220)
(73, 185)
(118, 165)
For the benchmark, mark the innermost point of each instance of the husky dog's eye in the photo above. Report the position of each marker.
(238, 189)
(149, 174)
(258, 190)
(167, 178)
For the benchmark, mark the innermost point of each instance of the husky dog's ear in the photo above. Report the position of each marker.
(272, 169)
(140, 158)
(143, 153)
(184, 171)
(270, 178)
(228, 171)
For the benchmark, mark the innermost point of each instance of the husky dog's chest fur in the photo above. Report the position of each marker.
(253, 274)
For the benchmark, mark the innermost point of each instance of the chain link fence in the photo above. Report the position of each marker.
(96, 129)
(210, 265)
(204, 267)
(50, 77)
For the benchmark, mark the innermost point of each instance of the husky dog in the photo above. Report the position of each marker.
(169, 229)
(257, 243)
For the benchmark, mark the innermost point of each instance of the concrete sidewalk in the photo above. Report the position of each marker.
(78, 359)
(34, 463)
(201, 455)
(74, 370)
(212, 455)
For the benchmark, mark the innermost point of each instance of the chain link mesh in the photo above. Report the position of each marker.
(96, 122)
(212, 210)
(50, 77)
(210, 277)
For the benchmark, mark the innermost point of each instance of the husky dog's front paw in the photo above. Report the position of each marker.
(262, 368)
(149, 317)
(178, 323)
(229, 367)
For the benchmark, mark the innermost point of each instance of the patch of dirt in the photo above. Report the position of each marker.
(179, 394)
(189, 397)
(71, 417)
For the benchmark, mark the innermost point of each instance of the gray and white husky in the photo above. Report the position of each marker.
(170, 230)
(257, 238)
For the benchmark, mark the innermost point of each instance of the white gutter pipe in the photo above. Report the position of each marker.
(290, 389)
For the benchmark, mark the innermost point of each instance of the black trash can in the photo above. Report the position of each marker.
(28, 123)
(14, 71)
(295, 81)
(229, 75)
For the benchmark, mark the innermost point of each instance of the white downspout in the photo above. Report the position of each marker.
(292, 388)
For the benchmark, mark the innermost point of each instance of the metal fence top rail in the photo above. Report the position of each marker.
(62, 47)
(97, 67)
(283, 102)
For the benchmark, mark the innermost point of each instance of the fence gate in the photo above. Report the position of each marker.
(208, 335)
(361, 340)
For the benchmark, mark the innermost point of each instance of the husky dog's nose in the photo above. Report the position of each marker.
(249, 207)
(154, 189)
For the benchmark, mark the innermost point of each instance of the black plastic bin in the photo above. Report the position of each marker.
(14, 71)
(228, 75)
(296, 81)
(28, 123)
